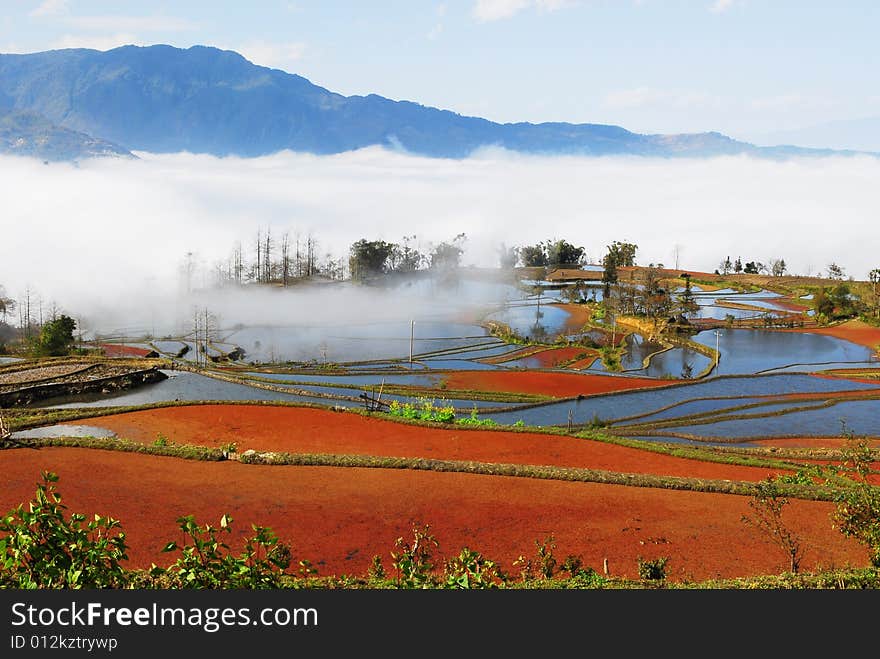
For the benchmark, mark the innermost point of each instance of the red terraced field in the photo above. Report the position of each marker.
(307, 430)
(339, 518)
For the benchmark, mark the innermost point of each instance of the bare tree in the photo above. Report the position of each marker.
(285, 258)
(767, 505)
(237, 263)
(7, 304)
(267, 257)
(311, 251)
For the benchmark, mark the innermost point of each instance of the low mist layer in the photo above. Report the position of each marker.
(108, 237)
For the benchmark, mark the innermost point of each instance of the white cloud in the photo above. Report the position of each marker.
(127, 224)
(283, 56)
(49, 8)
(494, 10)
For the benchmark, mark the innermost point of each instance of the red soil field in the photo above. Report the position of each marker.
(810, 442)
(578, 316)
(339, 518)
(563, 385)
(554, 356)
(852, 330)
(307, 430)
(583, 363)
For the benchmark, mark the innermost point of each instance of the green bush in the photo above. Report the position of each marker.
(41, 548)
(470, 569)
(413, 560)
(653, 570)
(205, 561)
(475, 420)
(858, 505)
(425, 410)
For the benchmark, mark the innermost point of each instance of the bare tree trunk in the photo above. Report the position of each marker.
(285, 257)
(267, 257)
(259, 270)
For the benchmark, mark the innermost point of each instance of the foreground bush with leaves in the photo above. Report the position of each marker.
(42, 548)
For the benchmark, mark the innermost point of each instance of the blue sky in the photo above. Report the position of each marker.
(743, 67)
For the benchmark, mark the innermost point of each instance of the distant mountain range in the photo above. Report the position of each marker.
(860, 134)
(206, 100)
(31, 134)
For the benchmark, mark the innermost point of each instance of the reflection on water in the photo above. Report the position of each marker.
(746, 351)
(63, 431)
(615, 406)
(861, 416)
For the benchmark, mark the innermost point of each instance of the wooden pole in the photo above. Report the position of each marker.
(412, 331)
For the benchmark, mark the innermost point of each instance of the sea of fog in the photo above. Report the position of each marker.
(105, 239)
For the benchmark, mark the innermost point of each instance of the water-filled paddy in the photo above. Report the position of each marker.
(614, 406)
(692, 407)
(861, 417)
(417, 380)
(749, 351)
(369, 341)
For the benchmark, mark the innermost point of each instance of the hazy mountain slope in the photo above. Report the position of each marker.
(202, 99)
(30, 134)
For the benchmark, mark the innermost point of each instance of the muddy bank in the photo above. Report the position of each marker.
(28, 395)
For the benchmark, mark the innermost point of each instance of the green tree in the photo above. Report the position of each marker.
(561, 252)
(508, 256)
(56, 337)
(619, 254)
(858, 506)
(447, 255)
(686, 302)
(532, 256)
(624, 253)
(369, 258)
(874, 278)
(824, 304)
(404, 258)
(835, 271)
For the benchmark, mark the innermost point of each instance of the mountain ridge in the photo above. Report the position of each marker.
(206, 100)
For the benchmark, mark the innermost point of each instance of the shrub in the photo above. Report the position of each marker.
(470, 569)
(475, 420)
(426, 410)
(767, 505)
(42, 548)
(546, 558)
(412, 560)
(653, 570)
(858, 506)
(205, 561)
